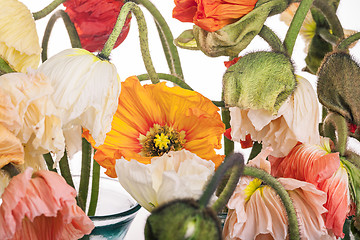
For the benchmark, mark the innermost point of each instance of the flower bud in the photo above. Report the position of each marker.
(260, 80)
(338, 85)
(182, 219)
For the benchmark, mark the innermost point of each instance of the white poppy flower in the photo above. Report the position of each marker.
(178, 174)
(296, 120)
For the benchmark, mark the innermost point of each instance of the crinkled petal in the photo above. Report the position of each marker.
(11, 149)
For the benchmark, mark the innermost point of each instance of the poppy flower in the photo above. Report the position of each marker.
(28, 114)
(317, 165)
(19, 42)
(86, 90)
(179, 174)
(296, 120)
(41, 206)
(212, 15)
(256, 211)
(154, 119)
(94, 21)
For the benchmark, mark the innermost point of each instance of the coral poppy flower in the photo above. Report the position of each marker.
(154, 119)
(94, 21)
(256, 211)
(317, 165)
(212, 15)
(19, 42)
(86, 91)
(179, 174)
(296, 120)
(41, 206)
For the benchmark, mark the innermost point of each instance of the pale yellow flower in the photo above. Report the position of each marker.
(19, 42)
(86, 91)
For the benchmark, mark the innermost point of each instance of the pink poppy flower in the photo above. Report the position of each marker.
(256, 211)
(41, 206)
(317, 165)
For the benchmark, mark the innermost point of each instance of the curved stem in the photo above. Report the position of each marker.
(49, 162)
(234, 161)
(331, 17)
(335, 122)
(85, 172)
(73, 35)
(143, 34)
(94, 188)
(344, 44)
(283, 194)
(167, 39)
(168, 77)
(4, 67)
(272, 39)
(295, 25)
(327, 36)
(48, 9)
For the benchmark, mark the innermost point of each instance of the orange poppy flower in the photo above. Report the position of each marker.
(212, 15)
(154, 119)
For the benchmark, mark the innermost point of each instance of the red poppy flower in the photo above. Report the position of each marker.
(94, 21)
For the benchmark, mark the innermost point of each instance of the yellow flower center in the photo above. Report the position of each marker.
(251, 188)
(161, 139)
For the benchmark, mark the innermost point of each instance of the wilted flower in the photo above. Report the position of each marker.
(94, 21)
(19, 42)
(317, 165)
(154, 119)
(211, 15)
(296, 120)
(28, 113)
(41, 206)
(86, 91)
(174, 175)
(256, 211)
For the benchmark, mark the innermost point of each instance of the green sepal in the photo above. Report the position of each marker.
(318, 48)
(186, 40)
(259, 80)
(338, 86)
(182, 219)
(233, 38)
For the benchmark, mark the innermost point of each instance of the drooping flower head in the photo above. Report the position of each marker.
(174, 175)
(256, 211)
(211, 15)
(94, 20)
(86, 90)
(19, 42)
(41, 206)
(317, 165)
(154, 119)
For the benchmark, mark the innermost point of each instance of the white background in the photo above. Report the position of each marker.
(202, 73)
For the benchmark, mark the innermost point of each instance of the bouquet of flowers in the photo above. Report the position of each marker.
(300, 178)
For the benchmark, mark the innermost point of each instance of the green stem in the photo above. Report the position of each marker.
(73, 35)
(168, 77)
(94, 188)
(256, 149)
(143, 34)
(228, 144)
(85, 172)
(48, 9)
(335, 122)
(234, 161)
(283, 194)
(272, 39)
(65, 170)
(219, 103)
(344, 44)
(295, 25)
(327, 36)
(331, 17)
(167, 39)
(10, 169)
(49, 162)
(4, 67)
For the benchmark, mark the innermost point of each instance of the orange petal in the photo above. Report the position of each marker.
(11, 149)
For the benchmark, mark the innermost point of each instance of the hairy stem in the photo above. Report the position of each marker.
(344, 44)
(48, 9)
(335, 122)
(272, 39)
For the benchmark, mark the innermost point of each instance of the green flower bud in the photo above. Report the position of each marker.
(338, 86)
(233, 38)
(180, 220)
(260, 80)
